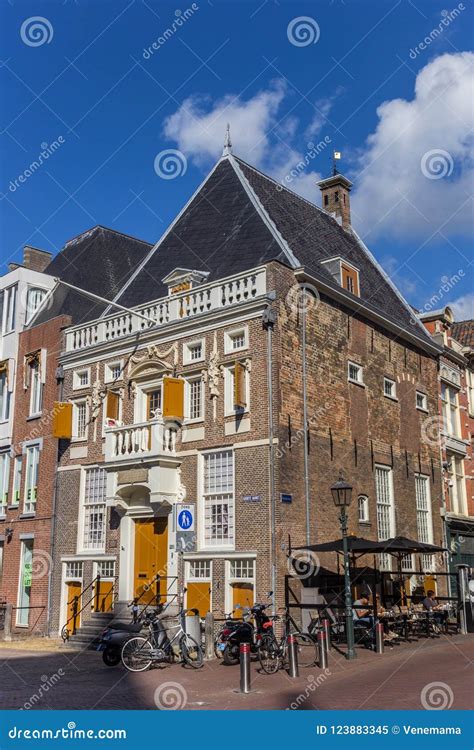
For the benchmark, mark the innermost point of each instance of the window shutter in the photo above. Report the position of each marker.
(173, 398)
(239, 386)
(112, 406)
(62, 420)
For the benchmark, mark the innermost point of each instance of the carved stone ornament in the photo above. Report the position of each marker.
(213, 370)
(152, 361)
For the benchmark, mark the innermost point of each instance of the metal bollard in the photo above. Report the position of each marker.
(293, 670)
(379, 638)
(327, 632)
(322, 648)
(245, 667)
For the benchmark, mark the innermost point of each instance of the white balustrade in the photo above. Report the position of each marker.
(146, 439)
(203, 299)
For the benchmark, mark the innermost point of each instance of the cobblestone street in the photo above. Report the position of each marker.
(401, 678)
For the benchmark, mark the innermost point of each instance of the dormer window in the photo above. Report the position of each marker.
(184, 279)
(344, 273)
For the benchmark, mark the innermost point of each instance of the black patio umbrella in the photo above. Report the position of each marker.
(403, 545)
(354, 544)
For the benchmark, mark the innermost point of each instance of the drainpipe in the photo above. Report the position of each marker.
(60, 381)
(305, 415)
(269, 320)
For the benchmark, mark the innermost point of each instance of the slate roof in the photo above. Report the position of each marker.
(463, 331)
(99, 260)
(223, 230)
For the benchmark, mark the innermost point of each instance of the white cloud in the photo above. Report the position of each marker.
(262, 135)
(463, 307)
(391, 195)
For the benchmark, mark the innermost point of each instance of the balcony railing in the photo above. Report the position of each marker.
(142, 440)
(226, 293)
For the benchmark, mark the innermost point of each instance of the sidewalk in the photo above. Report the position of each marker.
(401, 678)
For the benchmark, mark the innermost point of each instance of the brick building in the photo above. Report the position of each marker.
(231, 392)
(27, 513)
(456, 409)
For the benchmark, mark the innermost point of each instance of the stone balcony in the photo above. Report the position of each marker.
(206, 298)
(454, 444)
(141, 442)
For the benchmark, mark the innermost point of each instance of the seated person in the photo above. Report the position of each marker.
(431, 604)
(362, 613)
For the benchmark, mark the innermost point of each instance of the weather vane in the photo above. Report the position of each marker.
(336, 156)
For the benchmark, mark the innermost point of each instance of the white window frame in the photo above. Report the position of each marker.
(424, 407)
(104, 410)
(31, 311)
(187, 399)
(76, 379)
(192, 578)
(4, 481)
(84, 547)
(470, 390)
(229, 408)
(188, 359)
(385, 558)
(450, 410)
(141, 398)
(456, 470)
(6, 397)
(393, 383)
(359, 380)
(231, 579)
(10, 295)
(108, 375)
(424, 523)
(17, 474)
(24, 544)
(363, 505)
(30, 494)
(36, 388)
(230, 336)
(204, 544)
(76, 438)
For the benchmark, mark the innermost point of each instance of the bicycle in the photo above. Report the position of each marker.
(273, 652)
(139, 653)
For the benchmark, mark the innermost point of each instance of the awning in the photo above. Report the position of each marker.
(395, 545)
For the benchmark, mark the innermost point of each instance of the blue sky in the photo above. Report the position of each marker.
(386, 83)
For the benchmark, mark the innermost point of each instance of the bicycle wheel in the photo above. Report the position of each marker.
(136, 654)
(268, 654)
(191, 651)
(307, 649)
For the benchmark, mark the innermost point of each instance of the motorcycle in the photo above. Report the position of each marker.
(240, 631)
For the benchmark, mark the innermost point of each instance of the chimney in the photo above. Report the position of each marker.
(35, 259)
(335, 198)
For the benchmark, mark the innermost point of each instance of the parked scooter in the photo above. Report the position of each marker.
(117, 634)
(240, 631)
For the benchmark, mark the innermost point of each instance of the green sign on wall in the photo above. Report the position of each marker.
(27, 574)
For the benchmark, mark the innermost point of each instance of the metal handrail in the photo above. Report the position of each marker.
(157, 597)
(94, 584)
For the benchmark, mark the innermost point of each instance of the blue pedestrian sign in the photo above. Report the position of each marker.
(185, 518)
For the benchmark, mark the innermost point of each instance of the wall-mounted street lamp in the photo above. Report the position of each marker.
(342, 495)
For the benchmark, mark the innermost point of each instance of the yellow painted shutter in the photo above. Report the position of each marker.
(112, 406)
(173, 398)
(62, 420)
(239, 386)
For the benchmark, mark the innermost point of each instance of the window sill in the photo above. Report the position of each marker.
(13, 507)
(356, 382)
(28, 515)
(424, 411)
(390, 398)
(76, 440)
(365, 523)
(34, 416)
(198, 420)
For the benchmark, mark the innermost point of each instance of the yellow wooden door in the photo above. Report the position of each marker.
(104, 599)
(151, 557)
(198, 596)
(242, 593)
(73, 589)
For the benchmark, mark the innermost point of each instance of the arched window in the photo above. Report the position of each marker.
(363, 505)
